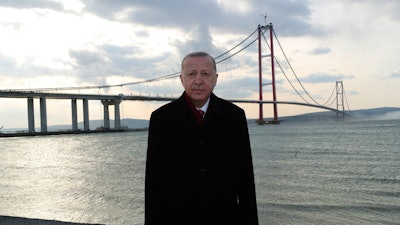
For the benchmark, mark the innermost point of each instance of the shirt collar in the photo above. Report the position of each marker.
(205, 106)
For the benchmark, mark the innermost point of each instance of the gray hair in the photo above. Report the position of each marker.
(199, 54)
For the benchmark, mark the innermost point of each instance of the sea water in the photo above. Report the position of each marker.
(306, 173)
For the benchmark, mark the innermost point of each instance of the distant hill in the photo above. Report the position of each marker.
(93, 124)
(385, 113)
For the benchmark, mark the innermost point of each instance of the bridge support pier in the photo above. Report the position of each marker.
(106, 114)
(31, 116)
(43, 115)
(117, 118)
(86, 114)
(74, 113)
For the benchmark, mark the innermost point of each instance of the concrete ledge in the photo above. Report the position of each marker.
(10, 220)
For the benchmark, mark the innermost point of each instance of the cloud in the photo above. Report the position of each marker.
(155, 13)
(96, 65)
(384, 9)
(243, 88)
(7, 65)
(10, 68)
(23, 4)
(291, 18)
(85, 58)
(199, 39)
(352, 92)
(320, 50)
(183, 14)
(395, 74)
(324, 78)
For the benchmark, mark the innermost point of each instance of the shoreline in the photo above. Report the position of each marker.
(26, 134)
(12, 220)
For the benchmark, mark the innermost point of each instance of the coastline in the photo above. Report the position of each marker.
(26, 134)
(11, 220)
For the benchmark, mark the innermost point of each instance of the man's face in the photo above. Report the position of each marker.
(199, 78)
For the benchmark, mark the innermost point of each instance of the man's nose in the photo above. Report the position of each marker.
(198, 79)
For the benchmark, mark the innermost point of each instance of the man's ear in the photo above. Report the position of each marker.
(180, 77)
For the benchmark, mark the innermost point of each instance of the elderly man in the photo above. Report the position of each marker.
(199, 166)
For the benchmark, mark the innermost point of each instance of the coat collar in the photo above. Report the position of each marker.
(186, 108)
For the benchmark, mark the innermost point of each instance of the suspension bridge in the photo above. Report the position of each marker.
(264, 45)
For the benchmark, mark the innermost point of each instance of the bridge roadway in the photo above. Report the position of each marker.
(106, 100)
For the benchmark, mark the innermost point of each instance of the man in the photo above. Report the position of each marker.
(199, 166)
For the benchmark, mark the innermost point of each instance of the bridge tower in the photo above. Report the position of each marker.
(261, 120)
(339, 100)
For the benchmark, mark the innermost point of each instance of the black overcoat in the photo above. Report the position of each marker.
(199, 173)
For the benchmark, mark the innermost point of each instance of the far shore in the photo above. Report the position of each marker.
(27, 134)
(11, 220)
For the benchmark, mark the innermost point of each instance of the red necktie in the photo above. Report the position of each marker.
(201, 112)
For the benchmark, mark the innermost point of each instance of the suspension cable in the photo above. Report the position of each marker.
(291, 84)
(332, 102)
(237, 51)
(293, 70)
(237, 45)
(333, 91)
(347, 102)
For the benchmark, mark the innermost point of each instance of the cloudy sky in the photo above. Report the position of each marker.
(72, 43)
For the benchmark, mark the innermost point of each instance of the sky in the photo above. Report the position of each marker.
(81, 43)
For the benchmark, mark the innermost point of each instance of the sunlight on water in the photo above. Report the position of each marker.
(306, 173)
(79, 178)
